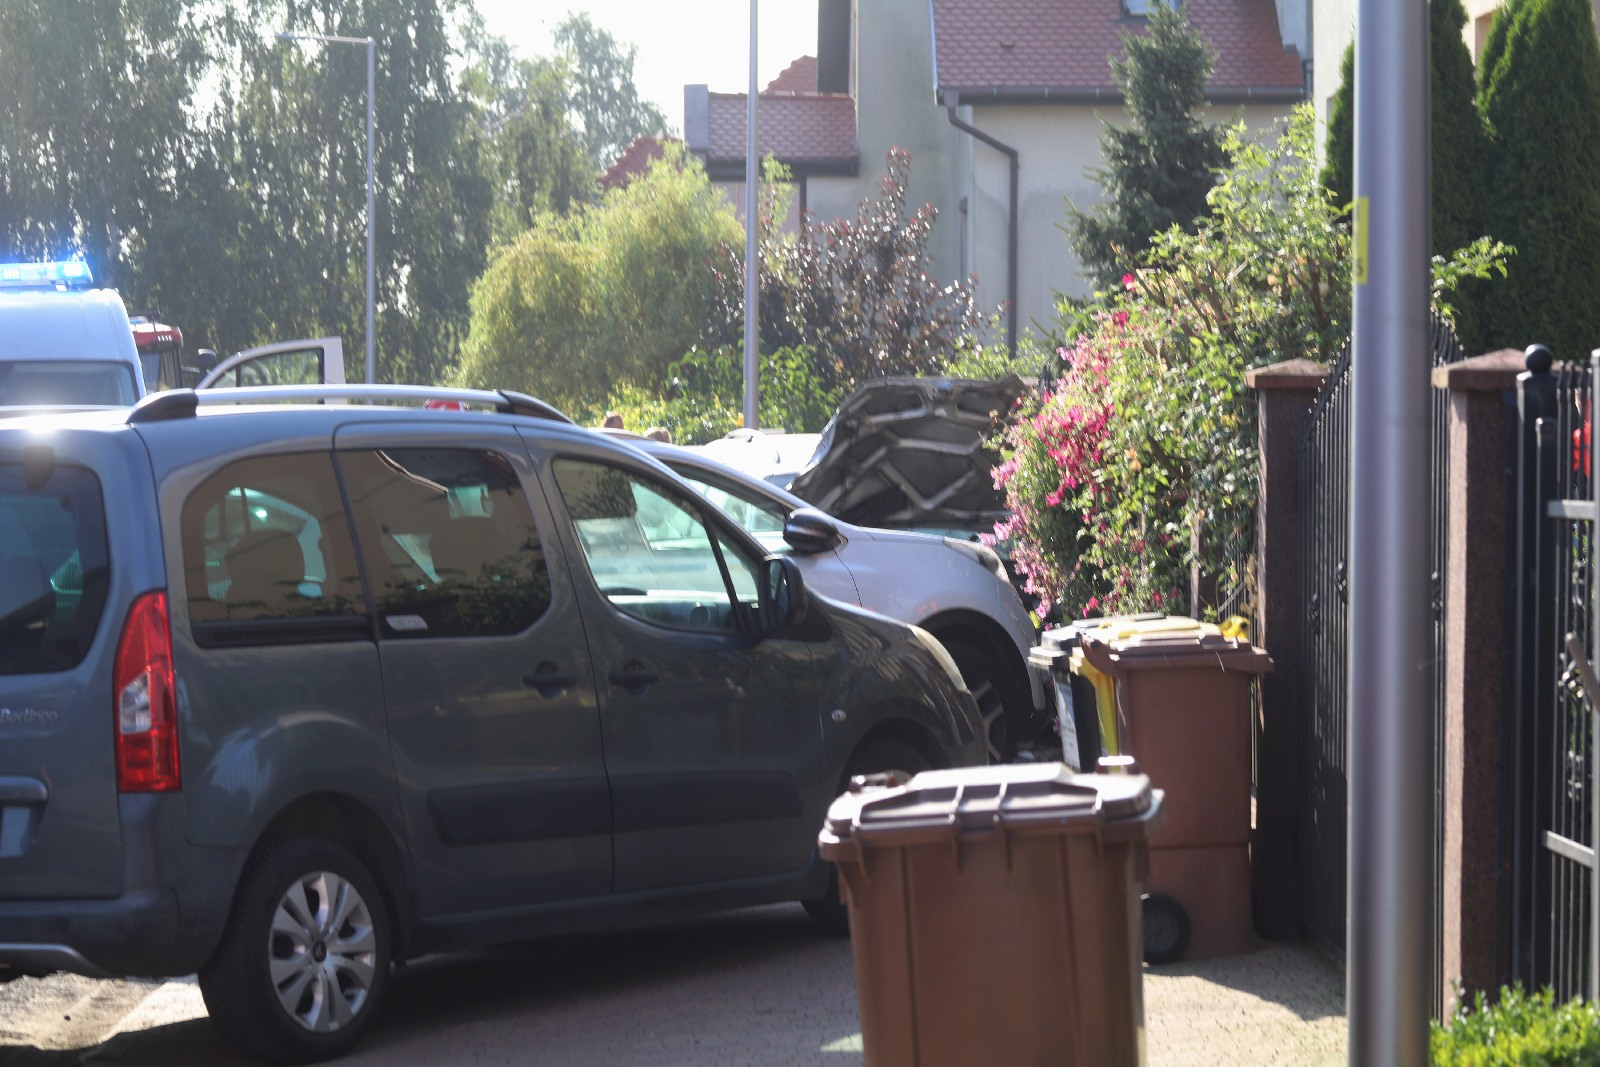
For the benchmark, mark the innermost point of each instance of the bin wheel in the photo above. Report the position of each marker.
(874, 757)
(1166, 928)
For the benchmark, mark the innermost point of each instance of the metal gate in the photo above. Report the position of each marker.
(1553, 792)
(1324, 703)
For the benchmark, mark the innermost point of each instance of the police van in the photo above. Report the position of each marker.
(65, 343)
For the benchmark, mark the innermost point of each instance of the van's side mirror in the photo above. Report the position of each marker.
(811, 532)
(782, 600)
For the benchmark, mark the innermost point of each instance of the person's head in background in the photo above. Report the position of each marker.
(659, 433)
(613, 420)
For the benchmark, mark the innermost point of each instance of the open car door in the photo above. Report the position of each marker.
(317, 361)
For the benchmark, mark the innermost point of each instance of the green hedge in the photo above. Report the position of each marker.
(1521, 1030)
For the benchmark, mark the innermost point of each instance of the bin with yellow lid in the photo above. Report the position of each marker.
(1182, 698)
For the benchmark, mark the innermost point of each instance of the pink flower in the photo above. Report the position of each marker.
(1119, 318)
(1127, 281)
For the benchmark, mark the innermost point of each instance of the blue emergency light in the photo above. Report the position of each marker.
(59, 274)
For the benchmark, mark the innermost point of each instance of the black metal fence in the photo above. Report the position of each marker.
(1324, 703)
(1552, 788)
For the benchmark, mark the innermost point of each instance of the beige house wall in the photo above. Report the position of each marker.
(1057, 146)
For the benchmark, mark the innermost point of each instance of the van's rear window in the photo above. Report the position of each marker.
(53, 571)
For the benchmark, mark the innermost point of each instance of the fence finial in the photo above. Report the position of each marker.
(1538, 358)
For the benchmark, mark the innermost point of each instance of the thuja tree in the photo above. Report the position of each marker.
(1459, 146)
(858, 293)
(1540, 99)
(1159, 167)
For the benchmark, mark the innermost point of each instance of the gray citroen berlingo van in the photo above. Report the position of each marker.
(292, 691)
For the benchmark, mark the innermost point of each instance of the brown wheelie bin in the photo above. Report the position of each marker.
(994, 914)
(1183, 711)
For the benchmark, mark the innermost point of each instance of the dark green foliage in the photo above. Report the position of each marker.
(1519, 1030)
(95, 127)
(600, 93)
(1458, 148)
(217, 175)
(857, 293)
(1338, 166)
(1458, 138)
(1539, 96)
(1159, 168)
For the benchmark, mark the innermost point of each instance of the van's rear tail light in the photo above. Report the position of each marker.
(146, 712)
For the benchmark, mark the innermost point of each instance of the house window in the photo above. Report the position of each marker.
(1138, 9)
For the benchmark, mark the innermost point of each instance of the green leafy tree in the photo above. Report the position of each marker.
(1539, 95)
(601, 96)
(536, 160)
(95, 99)
(612, 295)
(1159, 168)
(858, 293)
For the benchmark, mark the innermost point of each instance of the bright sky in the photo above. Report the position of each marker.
(707, 41)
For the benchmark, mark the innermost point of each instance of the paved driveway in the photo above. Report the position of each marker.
(758, 988)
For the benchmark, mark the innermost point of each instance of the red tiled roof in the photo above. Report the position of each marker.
(794, 127)
(992, 46)
(634, 160)
(798, 77)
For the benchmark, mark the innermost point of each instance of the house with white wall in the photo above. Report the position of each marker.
(999, 104)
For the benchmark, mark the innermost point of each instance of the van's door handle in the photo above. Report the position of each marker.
(549, 680)
(635, 677)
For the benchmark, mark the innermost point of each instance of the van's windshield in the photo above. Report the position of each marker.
(66, 382)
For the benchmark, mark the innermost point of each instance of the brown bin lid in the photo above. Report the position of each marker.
(1157, 651)
(1039, 797)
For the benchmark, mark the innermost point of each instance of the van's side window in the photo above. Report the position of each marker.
(649, 550)
(266, 539)
(448, 541)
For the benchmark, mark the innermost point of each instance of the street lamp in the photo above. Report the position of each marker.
(372, 351)
(752, 284)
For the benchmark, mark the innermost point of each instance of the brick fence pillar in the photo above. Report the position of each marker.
(1476, 659)
(1284, 393)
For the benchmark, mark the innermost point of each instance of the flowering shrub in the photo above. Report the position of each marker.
(1133, 483)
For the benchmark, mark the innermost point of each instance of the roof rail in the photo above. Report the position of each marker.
(183, 403)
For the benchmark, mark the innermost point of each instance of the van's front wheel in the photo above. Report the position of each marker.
(304, 963)
(874, 757)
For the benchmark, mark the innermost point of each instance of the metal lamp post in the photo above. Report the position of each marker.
(752, 284)
(1391, 905)
(372, 350)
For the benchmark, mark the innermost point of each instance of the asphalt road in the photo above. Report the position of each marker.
(756, 988)
(762, 986)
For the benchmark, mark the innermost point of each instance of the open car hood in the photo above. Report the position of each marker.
(912, 452)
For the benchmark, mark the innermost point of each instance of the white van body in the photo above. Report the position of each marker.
(67, 348)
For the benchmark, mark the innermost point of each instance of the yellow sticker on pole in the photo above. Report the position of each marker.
(1363, 218)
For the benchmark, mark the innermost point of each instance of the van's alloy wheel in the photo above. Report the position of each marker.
(304, 962)
(322, 951)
